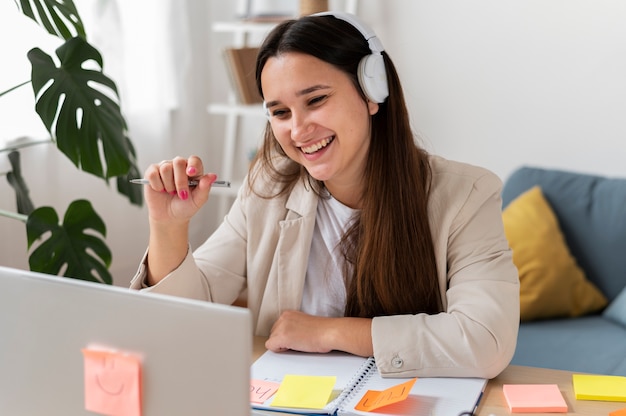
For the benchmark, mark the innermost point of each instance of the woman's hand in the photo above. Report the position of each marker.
(169, 197)
(171, 204)
(298, 331)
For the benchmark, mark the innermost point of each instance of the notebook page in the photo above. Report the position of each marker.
(274, 366)
(429, 396)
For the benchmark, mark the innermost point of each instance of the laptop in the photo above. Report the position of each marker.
(72, 347)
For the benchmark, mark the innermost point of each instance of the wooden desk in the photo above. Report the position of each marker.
(493, 402)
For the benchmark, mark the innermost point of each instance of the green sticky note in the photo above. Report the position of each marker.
(304, 392)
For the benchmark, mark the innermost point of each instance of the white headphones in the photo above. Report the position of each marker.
(371, 73)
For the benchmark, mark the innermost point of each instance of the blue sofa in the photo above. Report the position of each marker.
(591, 211)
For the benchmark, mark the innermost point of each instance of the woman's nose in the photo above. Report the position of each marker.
(300, 127)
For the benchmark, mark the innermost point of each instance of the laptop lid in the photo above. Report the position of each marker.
(66, 342)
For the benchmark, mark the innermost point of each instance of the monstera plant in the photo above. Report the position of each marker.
(80, 108)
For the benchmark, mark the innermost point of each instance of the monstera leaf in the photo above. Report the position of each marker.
(54, 16)
(71, 247)
(76, 110)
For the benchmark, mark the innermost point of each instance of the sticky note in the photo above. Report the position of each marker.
(112, 382)
(305, 392)
(261, 390)
(620, 412)
(534, 398)
(374, 399)
(599, 387)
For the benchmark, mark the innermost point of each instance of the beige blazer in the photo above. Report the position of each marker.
(264, 245)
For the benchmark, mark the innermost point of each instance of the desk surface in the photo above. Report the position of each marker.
(493, 402)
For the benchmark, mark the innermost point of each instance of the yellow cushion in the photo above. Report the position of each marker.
(551, 283)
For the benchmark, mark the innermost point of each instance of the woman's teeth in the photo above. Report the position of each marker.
(317, 146)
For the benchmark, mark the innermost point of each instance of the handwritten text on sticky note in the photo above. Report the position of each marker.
(306, 392)
(261, 390)
(374, 399)
(112, 383)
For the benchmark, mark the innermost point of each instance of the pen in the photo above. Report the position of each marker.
(225, 184)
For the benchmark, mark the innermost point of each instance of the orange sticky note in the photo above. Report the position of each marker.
(620, 412)
(374, 399)
(261, 390)
(306, 392)
(112, 383)
(534, 398)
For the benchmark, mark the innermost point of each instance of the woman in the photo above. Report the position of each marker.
(346, 235)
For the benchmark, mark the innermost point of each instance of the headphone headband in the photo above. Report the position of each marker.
(371, 73)
(376, 46)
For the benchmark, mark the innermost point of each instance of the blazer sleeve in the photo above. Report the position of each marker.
(215, 271)
(476, 334)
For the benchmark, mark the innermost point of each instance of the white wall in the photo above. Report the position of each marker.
(497, 83)
(501, 83)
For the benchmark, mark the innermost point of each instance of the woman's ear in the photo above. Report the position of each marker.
(372, 107)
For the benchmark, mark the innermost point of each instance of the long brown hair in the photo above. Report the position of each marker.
(388, 250)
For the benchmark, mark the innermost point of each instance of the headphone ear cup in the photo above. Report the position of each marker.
(373, 77)
(266, 111)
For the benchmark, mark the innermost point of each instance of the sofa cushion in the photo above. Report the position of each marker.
(590, 211)
(551, 283)
(589, 344)
(616, 311)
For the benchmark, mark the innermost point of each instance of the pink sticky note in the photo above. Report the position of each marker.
(534, 398)
(112, 383)
(261, 390)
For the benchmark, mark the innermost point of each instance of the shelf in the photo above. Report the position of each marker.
(236, 109)
(245, 33)
(243, 27)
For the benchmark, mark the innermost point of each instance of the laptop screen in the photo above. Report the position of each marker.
(71, 347)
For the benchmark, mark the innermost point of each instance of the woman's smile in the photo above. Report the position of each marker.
(315, 147)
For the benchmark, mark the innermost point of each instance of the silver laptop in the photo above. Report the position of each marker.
(68, 345)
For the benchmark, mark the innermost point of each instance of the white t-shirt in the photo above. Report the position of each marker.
(324, 288)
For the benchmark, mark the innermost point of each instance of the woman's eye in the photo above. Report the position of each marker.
(317, 100)
(279, 113)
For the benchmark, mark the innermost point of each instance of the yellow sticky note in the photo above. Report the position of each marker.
(599, 387)
(261, 390)
(374, 399)
(112, 383)
(305, 392)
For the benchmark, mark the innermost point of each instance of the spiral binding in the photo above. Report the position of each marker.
(365, 372)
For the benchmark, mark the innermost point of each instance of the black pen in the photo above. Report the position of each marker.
(225, 184)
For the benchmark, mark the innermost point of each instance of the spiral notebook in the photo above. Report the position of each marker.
(440, 396)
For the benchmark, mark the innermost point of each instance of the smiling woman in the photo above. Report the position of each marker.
(346, 235)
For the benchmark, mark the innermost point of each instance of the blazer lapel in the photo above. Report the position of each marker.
(294, 245)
